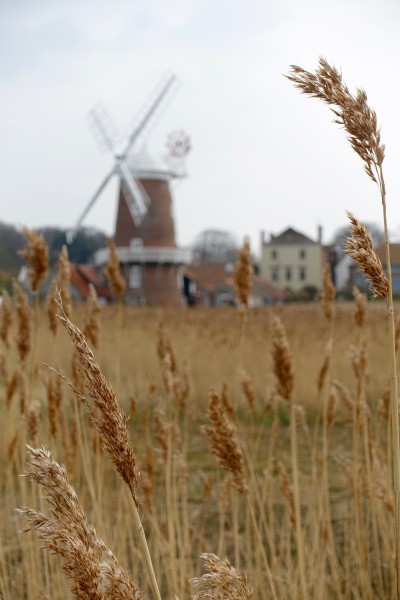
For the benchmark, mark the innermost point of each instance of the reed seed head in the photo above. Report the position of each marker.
(106, 415)
(282, 360)
(224, 441)
(243, 273)
(328, 294)
(51, 307)
(222, 582)
(115, 280)
(24, 322)
(351, 111)
(359, 247)
(36, 254)
(92, 568)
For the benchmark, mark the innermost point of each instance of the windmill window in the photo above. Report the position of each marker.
(135, 277)
(136, 243)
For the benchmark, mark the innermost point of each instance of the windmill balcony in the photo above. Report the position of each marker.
(146, 254)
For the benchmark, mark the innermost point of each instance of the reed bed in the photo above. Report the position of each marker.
(306, 481)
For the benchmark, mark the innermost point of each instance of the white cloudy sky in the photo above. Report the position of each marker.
(264, 157)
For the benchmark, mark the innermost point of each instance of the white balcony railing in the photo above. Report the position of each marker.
(145, 254)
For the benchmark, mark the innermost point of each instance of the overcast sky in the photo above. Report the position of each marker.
(264, 156)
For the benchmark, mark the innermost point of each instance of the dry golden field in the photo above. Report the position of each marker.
(297, 495)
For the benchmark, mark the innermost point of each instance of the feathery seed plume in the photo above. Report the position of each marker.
(248, 388)
(51, 307)
(224, 441)
(242, 274)
(351, 112)
(359, 247)
(282, 360)
(92, 568)
(24, 322)
(36, 255)
(106, 415)
(328, 294)
(222, 582)
(112, 271)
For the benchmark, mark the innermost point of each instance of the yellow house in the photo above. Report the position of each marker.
(291, 260)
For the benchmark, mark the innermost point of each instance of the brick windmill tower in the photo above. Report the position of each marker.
(145, 231)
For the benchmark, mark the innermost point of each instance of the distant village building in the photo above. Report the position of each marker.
(212, 284)
(292, 261)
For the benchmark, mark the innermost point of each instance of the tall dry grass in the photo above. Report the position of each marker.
(262, 442)
(186, 497)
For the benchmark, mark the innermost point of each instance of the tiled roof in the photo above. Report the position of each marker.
(290, 236)
(394, 253)
(210, 277)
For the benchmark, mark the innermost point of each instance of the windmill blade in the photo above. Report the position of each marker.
(72, 233)
(103, 127)
(134, 194)
(153, 108)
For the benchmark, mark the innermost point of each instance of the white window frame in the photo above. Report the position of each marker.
(136, 243)
(135, 277)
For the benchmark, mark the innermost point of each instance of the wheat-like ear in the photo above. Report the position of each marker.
(92, 568)
(105, 413)
(36, 254)
(112, 271)
(359, 247)
(224, 441)
(222, 582)
(282, 360)
(242, 274)
(351, 111)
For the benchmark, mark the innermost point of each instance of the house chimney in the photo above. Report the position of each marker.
(262, 237)
(319, 234)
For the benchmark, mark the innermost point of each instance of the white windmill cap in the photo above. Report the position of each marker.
(154, 166)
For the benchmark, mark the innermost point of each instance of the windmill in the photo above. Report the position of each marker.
(145, 229)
